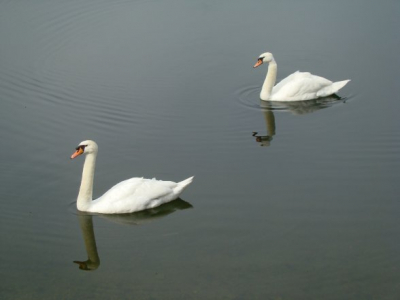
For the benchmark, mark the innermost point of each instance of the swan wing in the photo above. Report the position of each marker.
(299, 86)
(286, 80)
(137, 194)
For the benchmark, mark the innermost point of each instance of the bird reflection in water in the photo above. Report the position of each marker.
(137, 218)
(93, 261)
(295, 107)
(265, 140)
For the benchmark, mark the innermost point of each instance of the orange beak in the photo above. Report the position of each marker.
(258, 63)
(78, 152)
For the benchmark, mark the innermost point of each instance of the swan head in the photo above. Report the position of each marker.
(266, 57)
(85, 147)
(87, 265)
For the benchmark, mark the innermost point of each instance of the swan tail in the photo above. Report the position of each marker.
(182, 185)
(332, 89)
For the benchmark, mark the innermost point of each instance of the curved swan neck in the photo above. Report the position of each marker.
(269, 81)
(86, 189)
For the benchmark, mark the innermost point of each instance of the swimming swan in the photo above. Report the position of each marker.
(128, 196)
(295, 87)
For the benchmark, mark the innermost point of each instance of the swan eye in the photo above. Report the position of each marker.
(81, 147)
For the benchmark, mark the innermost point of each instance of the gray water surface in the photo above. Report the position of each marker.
(289, 201)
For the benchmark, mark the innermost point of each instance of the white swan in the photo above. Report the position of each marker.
(295, 87)
(128, 196)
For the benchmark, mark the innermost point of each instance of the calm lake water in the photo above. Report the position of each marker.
(294, 201)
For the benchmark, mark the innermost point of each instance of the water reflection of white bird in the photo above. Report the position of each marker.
(128, 196)
(295, 87)
(302, 107)
(265, 140)
(295, 107)
(148, 215)
(93, 261)
(138, 218)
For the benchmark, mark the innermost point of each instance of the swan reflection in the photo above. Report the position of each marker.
(265, 140)
(295, 107)
(93, 261)
(138, 218)
(303, 107)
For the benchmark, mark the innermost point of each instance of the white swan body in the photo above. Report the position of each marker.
(128, 196)
(297, 86)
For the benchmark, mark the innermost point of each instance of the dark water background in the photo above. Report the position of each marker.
(167, 90)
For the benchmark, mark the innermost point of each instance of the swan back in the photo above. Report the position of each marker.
(299, 86)
(138, 194)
